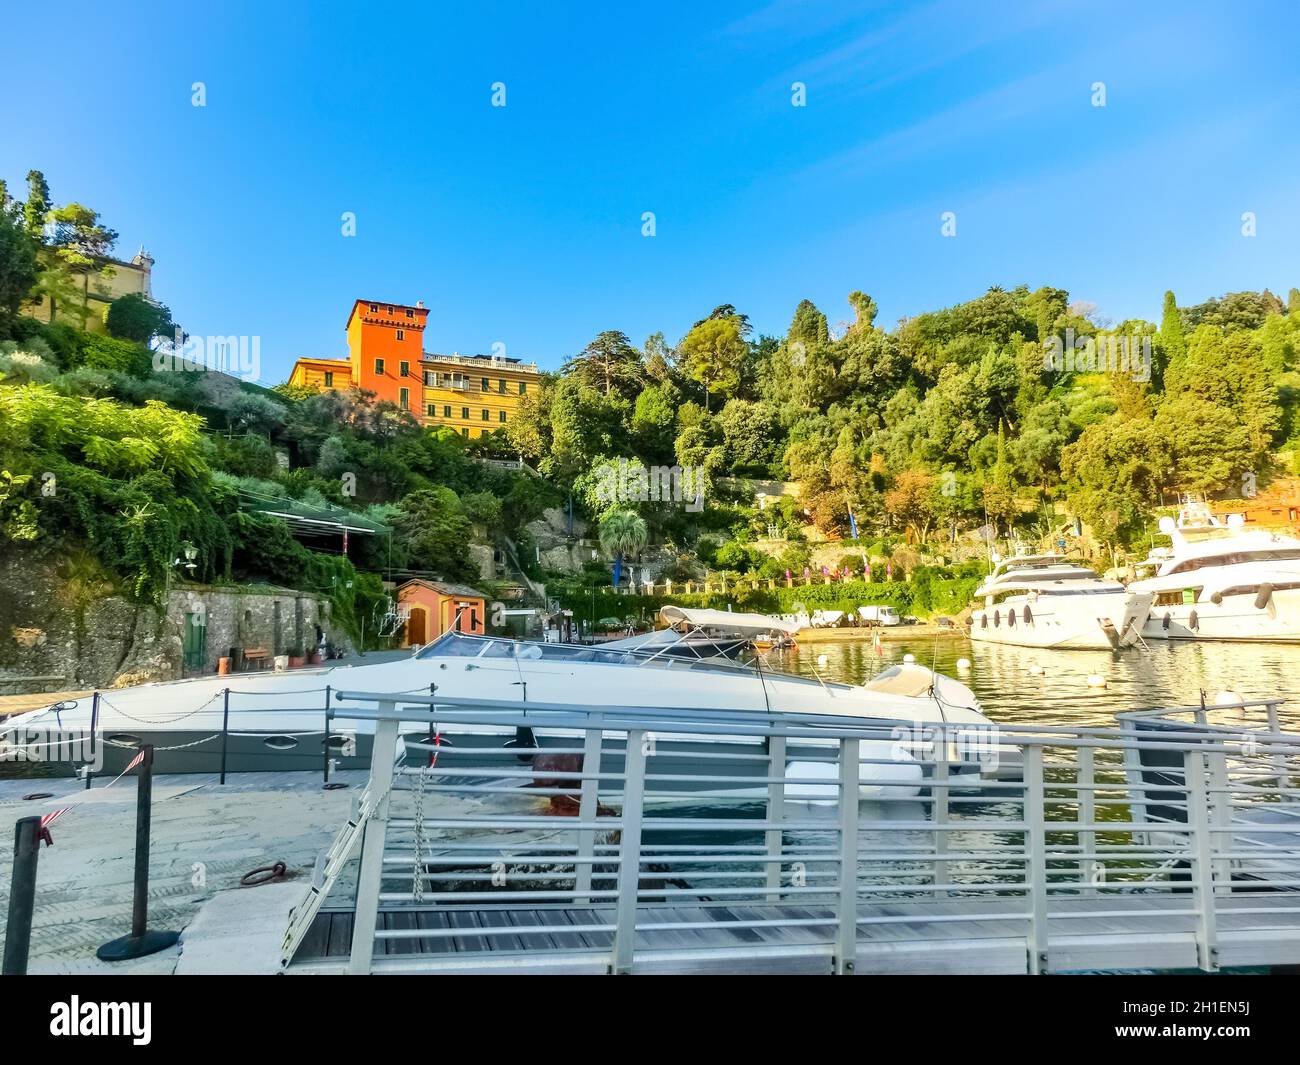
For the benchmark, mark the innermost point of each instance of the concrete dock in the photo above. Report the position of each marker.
(205, 837)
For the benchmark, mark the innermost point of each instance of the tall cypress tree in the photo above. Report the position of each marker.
(1172, 341)
(37, 207)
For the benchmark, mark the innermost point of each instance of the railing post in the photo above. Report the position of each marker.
(225, 729)
(1279, 759)
(325, 746)
(94, 727)
(383, 754)
(772, 838)
(939, 813)
(1086, 778)
(1035, 816)
(629, 868)
(1220, 800)
(1198, 819)
(22, 896)
(141, 940)
(588, 807)
(846, 943)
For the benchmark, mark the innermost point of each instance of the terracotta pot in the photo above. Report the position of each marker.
(314, 658)
(297, 661)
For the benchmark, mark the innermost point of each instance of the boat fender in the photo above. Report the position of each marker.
(1217, 599)
(1164, 622)
(555, 763)
(1264, 596)
(525, 738)
(1192, 622)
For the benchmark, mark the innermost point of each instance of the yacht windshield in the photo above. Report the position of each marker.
(459, 645)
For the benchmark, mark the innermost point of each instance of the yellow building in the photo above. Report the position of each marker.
(473, 394)
(111, 279)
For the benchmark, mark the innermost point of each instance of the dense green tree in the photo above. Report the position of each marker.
(622, 533)
(133, 317)
(431, 529)
(712, 354)
(19, 268)
(608, 363)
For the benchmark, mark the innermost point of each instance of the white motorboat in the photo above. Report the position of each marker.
(703, 634)
(278, 720)
(1051, 601)
(1221, 581)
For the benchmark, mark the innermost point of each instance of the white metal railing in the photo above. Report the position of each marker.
(722, 833)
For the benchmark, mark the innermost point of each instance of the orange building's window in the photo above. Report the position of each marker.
(401, 334)
(374, 306)
(404, 368)
(379, 367)
(404, 398)
(410, 313)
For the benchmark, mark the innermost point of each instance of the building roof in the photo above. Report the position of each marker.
(502, 362)
(423, 312)
(326, 362)
(443, 588)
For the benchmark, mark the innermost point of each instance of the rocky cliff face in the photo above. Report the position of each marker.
(75, 635)
(49, 627)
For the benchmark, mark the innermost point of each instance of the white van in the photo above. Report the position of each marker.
(879, 615)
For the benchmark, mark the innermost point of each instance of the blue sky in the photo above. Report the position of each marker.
(522, 225)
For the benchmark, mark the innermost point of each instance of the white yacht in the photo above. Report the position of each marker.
(1221, 581)
(277, 721)
(1050, 601)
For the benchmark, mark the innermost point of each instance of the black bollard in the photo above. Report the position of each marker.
(141, 941)
(225, 730)
(22, 896)
(94, 726)
(327, 735)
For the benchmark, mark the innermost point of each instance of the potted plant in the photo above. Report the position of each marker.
(314, 657)
(297, 657)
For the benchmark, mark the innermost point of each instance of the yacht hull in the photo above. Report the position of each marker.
(1236, 618)
(278, 722)
(1092, 622)
(886, 771)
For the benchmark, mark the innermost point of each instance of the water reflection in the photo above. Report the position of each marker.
(1165, 675)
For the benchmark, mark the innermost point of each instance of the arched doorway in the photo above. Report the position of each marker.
(417, 627)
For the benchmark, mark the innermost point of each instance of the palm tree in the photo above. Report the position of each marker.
(622, 532)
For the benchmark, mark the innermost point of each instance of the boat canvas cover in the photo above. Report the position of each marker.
(726, 619)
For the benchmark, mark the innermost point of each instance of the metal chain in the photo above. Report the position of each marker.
(417, 885)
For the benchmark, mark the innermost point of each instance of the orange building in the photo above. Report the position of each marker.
(434, 607)
(474, 394)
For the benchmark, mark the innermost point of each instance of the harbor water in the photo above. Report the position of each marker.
(1165, 674)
